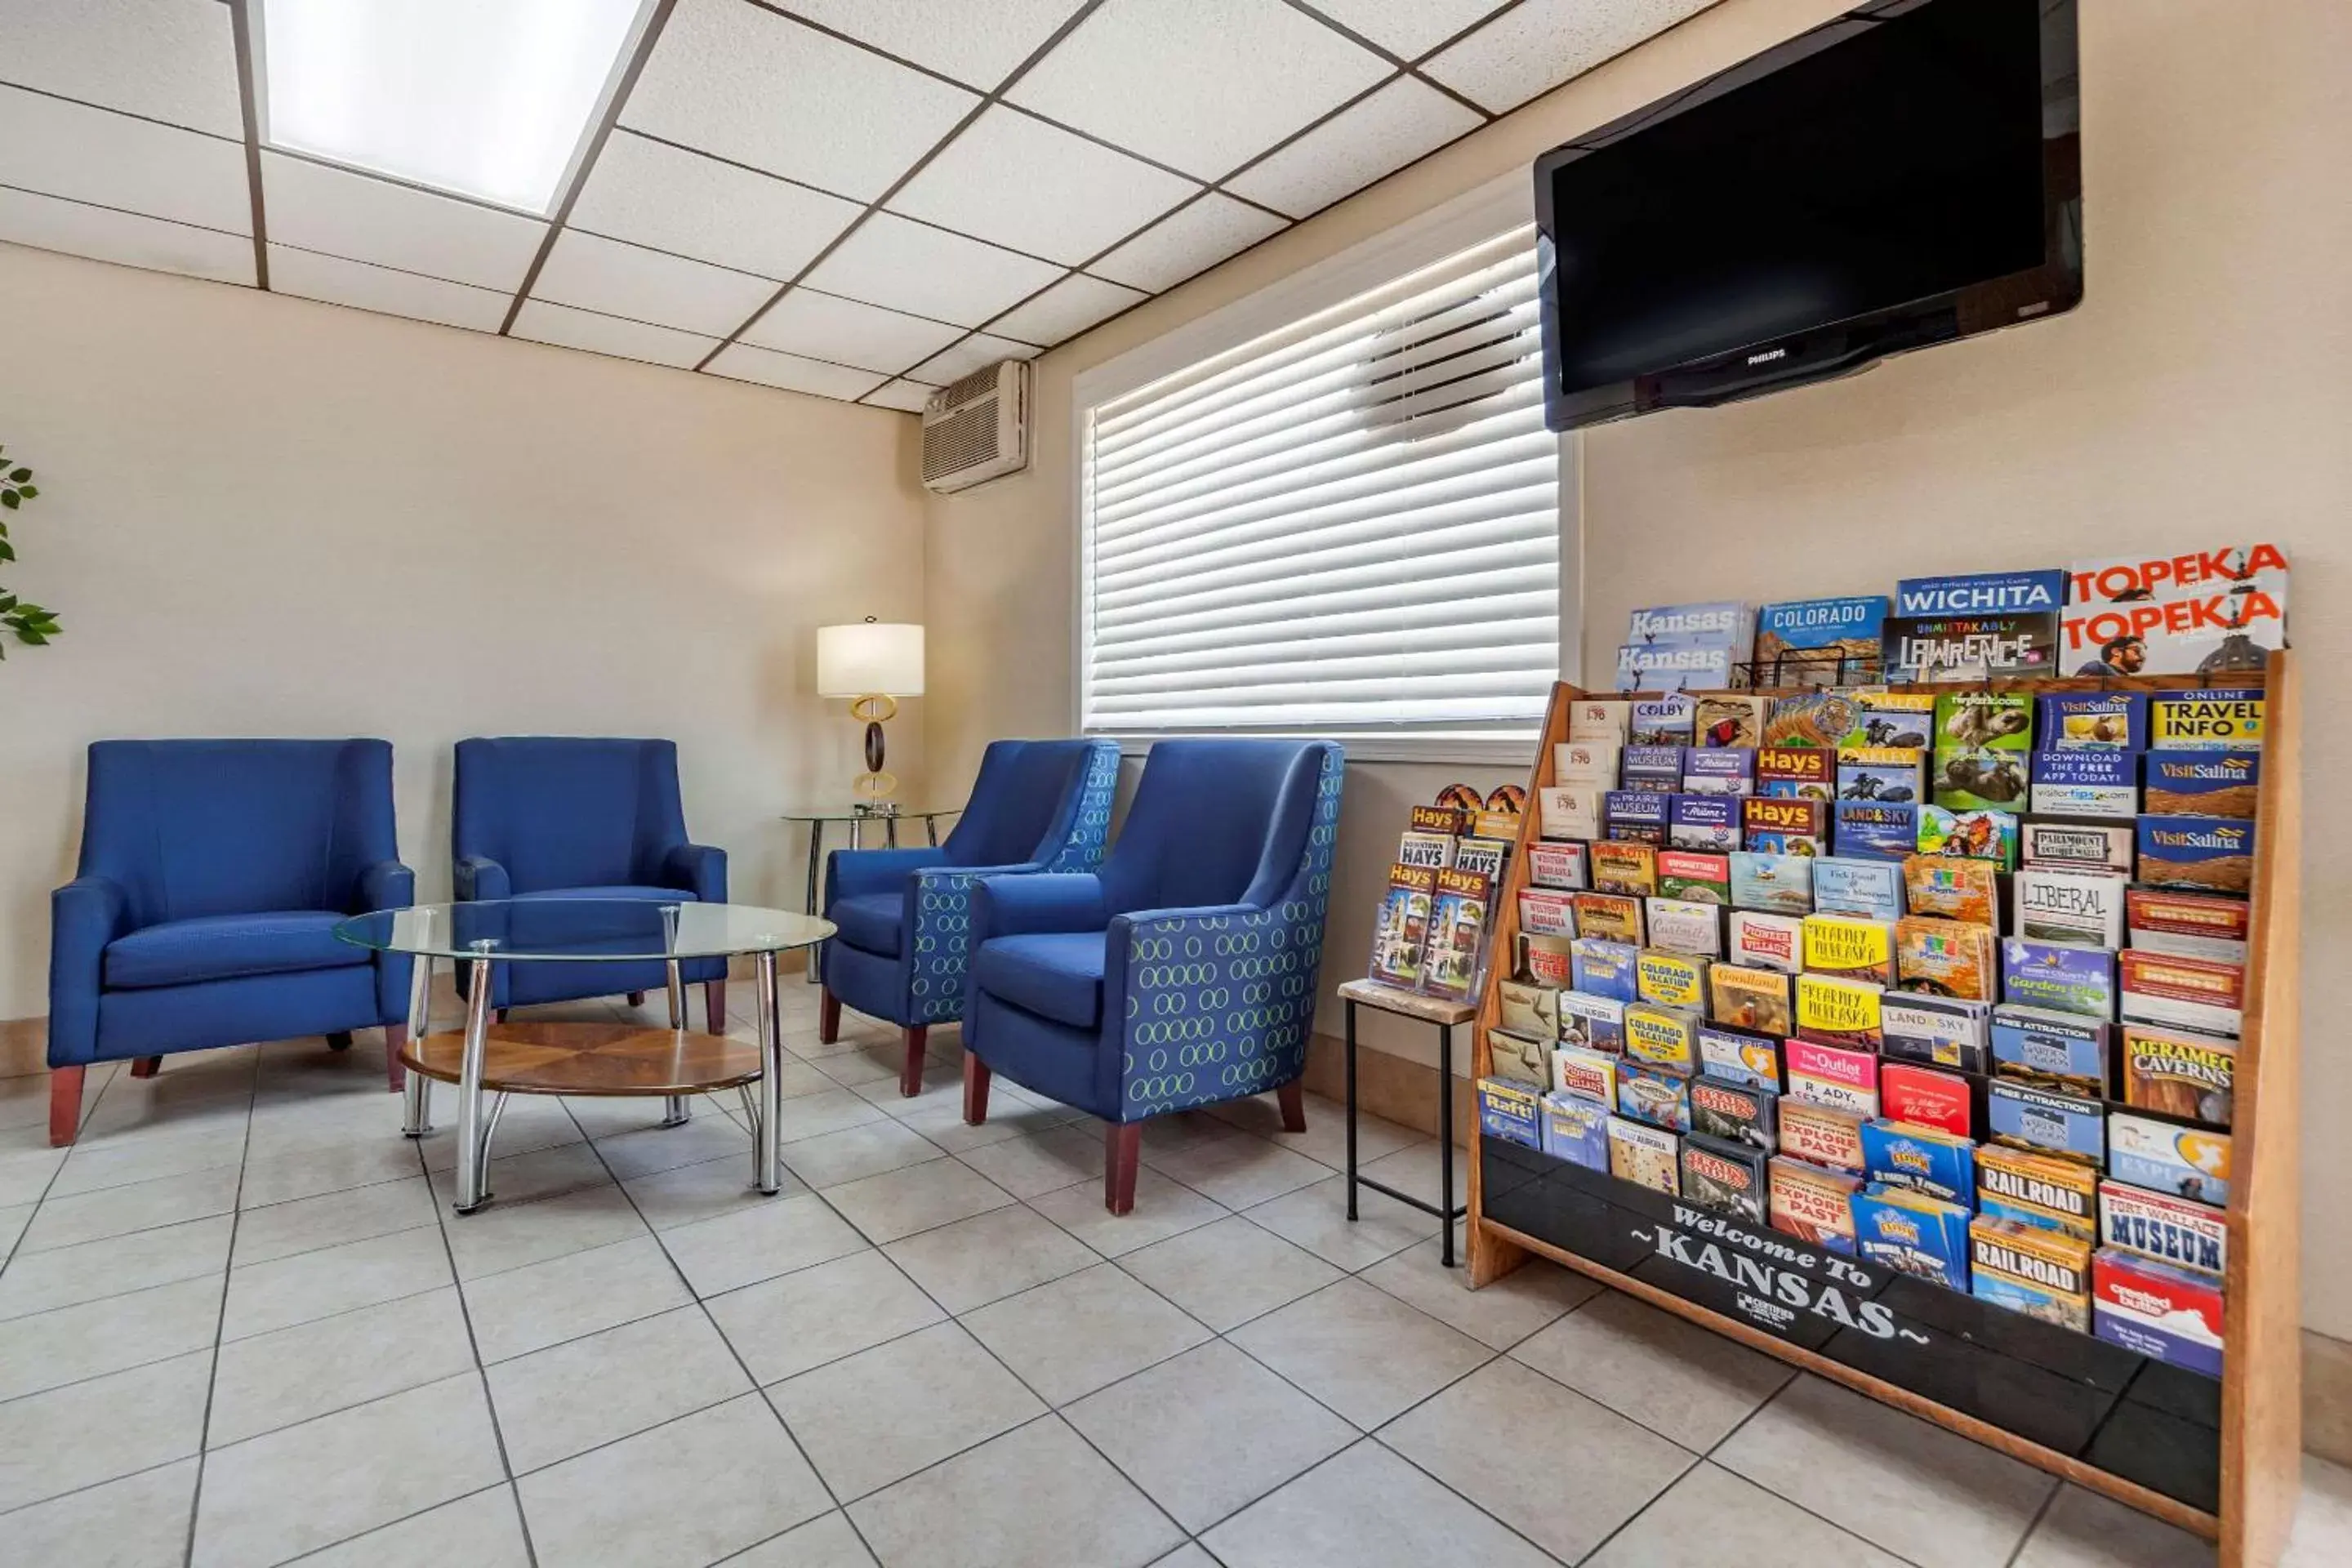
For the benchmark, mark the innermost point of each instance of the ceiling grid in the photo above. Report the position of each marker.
(861, 202)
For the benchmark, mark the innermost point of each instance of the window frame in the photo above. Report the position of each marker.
(1473, 218)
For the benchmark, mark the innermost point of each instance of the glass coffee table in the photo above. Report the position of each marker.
(616, 1059)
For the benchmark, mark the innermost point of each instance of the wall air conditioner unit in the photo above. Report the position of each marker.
(977, 429)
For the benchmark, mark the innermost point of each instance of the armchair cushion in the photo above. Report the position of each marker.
(871, 920)
(225, 947)
(1056, 975)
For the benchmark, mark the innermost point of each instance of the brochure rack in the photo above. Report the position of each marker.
(2220, 1458)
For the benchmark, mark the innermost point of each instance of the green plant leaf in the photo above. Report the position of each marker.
(21, 475)
(7, 603)
(28, 492)
(9, 499)
(8, 550)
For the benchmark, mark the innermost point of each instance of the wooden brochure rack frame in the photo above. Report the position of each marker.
(1980, 1355)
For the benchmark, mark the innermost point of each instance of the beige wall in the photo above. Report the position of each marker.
(261, 516)
(2201, 392)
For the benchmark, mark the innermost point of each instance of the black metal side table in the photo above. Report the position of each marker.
(1445, 1015)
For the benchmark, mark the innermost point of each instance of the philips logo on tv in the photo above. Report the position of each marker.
(1983, 594)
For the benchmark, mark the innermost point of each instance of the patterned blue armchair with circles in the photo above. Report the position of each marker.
(541, 816)
(213, 875)
(1038, 806)
(1182, 974)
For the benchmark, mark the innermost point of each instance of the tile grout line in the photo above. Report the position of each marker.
(474, 1344)
(758, 1391)
(2049, 1502)
(220, 1319)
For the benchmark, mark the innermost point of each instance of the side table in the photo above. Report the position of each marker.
(1427, 1010)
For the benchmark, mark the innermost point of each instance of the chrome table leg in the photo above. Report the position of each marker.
(678, 1109)
(767, 1160)
(416, 1098)
(473, 1177)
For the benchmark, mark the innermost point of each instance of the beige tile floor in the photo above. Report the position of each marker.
(239, 1326)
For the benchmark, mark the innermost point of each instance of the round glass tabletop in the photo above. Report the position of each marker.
(560, 930)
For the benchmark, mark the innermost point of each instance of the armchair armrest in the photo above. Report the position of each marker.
(1021, 906)
(851, 873)
(386, 885)
(697, 869)
(479, 877)
(85, 915)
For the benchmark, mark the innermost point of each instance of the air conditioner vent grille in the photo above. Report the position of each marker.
(963, 439)
(977, 428)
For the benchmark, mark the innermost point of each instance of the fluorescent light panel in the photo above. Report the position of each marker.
(490, 98)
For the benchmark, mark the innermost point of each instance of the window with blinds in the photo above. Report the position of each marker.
(1346, 527)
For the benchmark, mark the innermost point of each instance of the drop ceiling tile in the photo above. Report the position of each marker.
(908, 396)
(52, 223)
(1385, 133)
(747, 84)
(1017, 181)
(673, 200)
(924, 271)
(61, 149)
(847, 332)
(350, 215)
(746, 362)
(540, 321)
(971, 354)
(1407, 27)
(1202, 87)
(1539, 44)
(1066, 309)
(173, 61)
(307, 275)
(1176, 247)
(974, 41)
(599, 274)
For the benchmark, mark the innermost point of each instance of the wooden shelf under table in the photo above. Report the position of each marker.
(580, 1059)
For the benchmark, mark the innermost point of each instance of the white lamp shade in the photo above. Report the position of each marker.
(870, 659)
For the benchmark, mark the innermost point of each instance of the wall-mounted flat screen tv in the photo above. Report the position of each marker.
(1908, 174)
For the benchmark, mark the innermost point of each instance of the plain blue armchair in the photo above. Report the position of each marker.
(1180, 975)
(903, 914)
(203, 913)
(544, 818)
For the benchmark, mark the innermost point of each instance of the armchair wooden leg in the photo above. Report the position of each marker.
(714, 1006)
(146, 1066)
(395, 1040)
(502, 1015)
(1292, 1098)
(910, 1074)
(636, 998)
(975, 1089)
(1122, 1152)
(339, 1041)
(828, 1015)
(65, 1105)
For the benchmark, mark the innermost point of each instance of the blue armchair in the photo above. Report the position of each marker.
(1182, 974)
(203, 913)
(542, 817)
(1036, 806)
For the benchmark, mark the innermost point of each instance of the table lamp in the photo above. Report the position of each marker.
(873, 663)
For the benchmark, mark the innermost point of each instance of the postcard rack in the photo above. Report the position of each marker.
(2219, 1458)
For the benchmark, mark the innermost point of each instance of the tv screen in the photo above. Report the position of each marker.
(1904, 174)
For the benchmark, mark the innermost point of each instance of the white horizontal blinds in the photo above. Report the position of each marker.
(1350, 525)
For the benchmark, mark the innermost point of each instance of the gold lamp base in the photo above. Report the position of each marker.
(875, 782)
